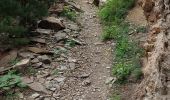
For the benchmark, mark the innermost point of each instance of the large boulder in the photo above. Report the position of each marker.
(51, 23)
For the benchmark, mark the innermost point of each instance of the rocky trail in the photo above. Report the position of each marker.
(89, 79)
(71, 63)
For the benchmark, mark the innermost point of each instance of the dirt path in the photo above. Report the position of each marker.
(94, 58)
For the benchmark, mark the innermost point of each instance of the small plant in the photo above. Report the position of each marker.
(127, 52)
(115, 10)
(55, 72)
(31, 70)
(69, 13)
(116, 97)
(70, 43)
(11, 96)
(141, 29)
(10, 80)
(13, 62)
(59, 51)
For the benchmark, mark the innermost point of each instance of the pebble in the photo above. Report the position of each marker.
(86, 82)
(35, 95)
(109, 80)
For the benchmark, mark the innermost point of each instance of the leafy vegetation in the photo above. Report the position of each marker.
(18, 17)
(115, 97)
(127, 52)
(69, 13)
(11, 80)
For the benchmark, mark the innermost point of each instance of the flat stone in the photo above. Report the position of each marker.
(67, 30)
(10, 56)
(39, 50)
(45, 59)
(26, 55)
(36, 86)
(37, 65)
(27, 80)
(60, 79)
(35, 95)
(35, 60)
(85, 75)
(44, 31)
(38, 40)
(74, 27)
(72, 66)
(72, 60)
(86, 82)
(52, 85)
(22, 63)
(109, 80)
(60, 36)
(62, 68)
(51, 23)
(46, 66)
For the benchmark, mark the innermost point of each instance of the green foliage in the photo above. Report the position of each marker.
(11, 96)
(31, 71)
(127, 52)
(141, 29)
(59, 51)
(70, 43)
(55, 72)
(115, 9)
(20, 16)
(10, 80)
(69, 13)
(13, 62)
(116, 97)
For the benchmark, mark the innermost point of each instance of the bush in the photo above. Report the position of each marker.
(115, 9)
(19, 16)
(10, 80)
(127, 52)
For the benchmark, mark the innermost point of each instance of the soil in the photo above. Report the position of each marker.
(95, 59)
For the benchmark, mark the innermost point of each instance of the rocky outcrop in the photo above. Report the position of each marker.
(156, 82)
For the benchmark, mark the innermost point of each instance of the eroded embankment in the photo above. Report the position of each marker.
(156, 82)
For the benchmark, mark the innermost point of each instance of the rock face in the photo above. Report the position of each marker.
(155, 85)
(51, 23)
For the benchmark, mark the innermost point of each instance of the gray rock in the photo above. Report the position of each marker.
(36, 86)
(74, 27)
(46, 66)
(109, 80)
(85, 75)
(22, 63)
(44, 31)
(51, 23)
(27, 80)
(37, 65)
(62, 68)
(35, 95)
(26, 55)
(86, 82)
(67, 30)
(72, 60)
(60, 79)
(45, 59)
(60, 36)
(52, 85)
(72, 66)
(35, 60)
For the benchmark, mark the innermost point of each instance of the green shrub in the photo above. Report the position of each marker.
(20, 16)
(115, 9)
(69, 13)
(10, 80)
(127, 51)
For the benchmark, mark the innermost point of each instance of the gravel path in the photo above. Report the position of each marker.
(87, 82)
